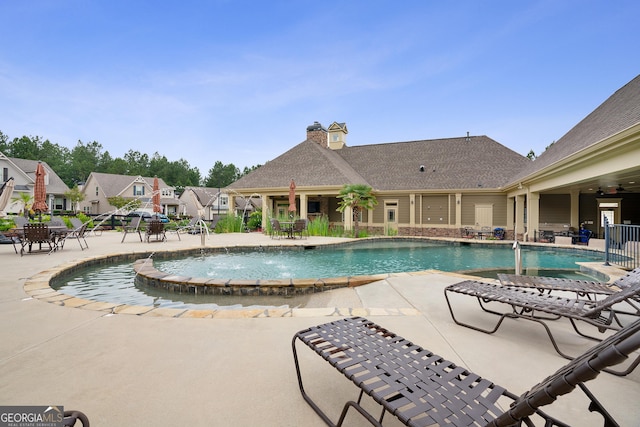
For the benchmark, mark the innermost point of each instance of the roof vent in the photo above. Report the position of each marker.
(467, 138)
(421, 168)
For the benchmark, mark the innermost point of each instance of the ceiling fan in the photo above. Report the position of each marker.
(619, 189)
(600, 192)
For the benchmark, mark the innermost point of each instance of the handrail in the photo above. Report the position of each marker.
(622, 245)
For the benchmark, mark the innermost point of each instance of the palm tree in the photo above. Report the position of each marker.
(25, 199)
(356, 197)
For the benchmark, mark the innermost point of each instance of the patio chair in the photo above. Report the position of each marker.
(276, 230)
(537, 307)
(299, 227)
(36, 233)
(20, 221)
(9, 240)
(133, 227)
(423, 389)
(155, 228)
(78, 232)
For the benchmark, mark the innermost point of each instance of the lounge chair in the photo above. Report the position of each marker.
(133, 227)
(537, 307)
(155, 228)
(423, 389)
(586, 288)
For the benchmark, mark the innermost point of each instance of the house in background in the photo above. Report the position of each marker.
(429, 187)
(440, 187)
(210, 203)
(24, 174)
(99, 187)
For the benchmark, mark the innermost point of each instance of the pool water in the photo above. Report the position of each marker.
(358, 259)
(115, 283)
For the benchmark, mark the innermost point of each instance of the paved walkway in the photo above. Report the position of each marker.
(158, 370)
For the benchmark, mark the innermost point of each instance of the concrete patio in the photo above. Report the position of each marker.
(236, 369)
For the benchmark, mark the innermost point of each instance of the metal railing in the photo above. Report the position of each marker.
(622, 245)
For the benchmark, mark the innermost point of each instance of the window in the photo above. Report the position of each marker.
(138, 190)
(97, 188)
(5, 174)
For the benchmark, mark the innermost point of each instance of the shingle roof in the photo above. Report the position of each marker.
(453, 163)
(55, 185)
(619, 112)
(307, 163)
(113, 184)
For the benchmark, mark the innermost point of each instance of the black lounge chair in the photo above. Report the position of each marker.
(540, 307)
(582, 287)
(423, 389)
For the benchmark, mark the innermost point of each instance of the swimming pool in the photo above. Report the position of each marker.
(115, 283)
(367, 258)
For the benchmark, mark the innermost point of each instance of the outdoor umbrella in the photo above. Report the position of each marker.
(292, 196)
(156, 196)
(5, 193)
(40, 191)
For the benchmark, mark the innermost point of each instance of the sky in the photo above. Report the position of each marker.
(240, 81)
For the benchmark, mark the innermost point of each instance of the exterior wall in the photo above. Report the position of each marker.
(433, 209)
(555, 208)
(498, 201)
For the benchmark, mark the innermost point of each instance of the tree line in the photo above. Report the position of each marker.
(74, 165)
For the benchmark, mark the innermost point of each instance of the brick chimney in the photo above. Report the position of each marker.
(318, 134)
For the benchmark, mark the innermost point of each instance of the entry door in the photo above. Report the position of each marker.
(391, 216)
(484, 216)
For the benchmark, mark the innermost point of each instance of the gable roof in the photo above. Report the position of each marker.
(55, 186)
(308, 164)
(619, 112)
(453, 163)
(113, 184)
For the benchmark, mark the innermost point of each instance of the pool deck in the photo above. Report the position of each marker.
(145, 367)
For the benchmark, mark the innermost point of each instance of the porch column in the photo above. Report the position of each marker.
(458, 210)
(231, 209)
(266, 209)
(348, 218)
(519, 226)
(575, 209)
(510, 218)
(303, 205)
(533, 215)
(412, 210)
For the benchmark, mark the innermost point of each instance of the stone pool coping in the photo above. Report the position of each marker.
(39, 287)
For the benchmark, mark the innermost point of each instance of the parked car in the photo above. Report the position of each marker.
(160, 217)
(146, 216)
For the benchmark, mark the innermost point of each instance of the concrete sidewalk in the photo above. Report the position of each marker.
(148, 370)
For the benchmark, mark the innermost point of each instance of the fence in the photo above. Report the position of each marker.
(622, 245)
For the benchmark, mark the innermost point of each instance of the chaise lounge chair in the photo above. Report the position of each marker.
(422, 389)
(537, 307)
(582, 287)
